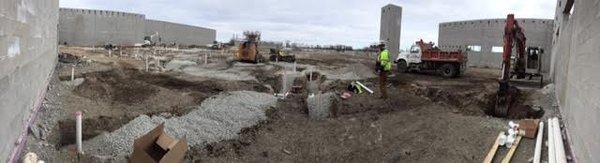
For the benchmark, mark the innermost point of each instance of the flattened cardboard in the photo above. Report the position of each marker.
(530, 126)
(158, 147)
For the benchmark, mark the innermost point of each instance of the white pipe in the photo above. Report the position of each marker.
(284, 82)
(551, 152)
(78, 136)
(147, 66)
(365, 87)
(73, 73)
(559, 147)
(538, 144)
(205, 59)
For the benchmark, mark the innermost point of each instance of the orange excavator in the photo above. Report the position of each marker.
(507, 95)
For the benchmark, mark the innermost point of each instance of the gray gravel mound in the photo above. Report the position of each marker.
(220, 117)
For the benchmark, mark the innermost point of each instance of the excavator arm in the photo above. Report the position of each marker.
(513, 38)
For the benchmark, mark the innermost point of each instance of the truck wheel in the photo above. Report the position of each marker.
(448, 70)
(402, 66)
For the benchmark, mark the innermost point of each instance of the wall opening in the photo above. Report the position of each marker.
(497, 49)
(474, 48)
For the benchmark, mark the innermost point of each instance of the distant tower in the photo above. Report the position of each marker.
(391, 18)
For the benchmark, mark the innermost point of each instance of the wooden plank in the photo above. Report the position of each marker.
(492, 152)
(512, 150)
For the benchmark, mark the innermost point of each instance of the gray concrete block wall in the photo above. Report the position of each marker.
(575, 67)
(84, 27)
(488, 33)
(179, 33)
(28, 54)
(81, 27)
(390, 28)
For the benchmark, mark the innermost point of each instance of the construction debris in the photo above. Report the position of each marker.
(157, 146)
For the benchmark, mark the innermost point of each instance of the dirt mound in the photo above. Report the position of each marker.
(114, 86)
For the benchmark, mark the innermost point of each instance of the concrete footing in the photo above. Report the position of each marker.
(321, 106)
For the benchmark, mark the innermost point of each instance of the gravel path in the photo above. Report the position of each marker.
(220, 117)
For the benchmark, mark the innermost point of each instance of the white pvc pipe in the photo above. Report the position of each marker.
(551, 152)
(78, 136)
(147, 64)
(205, 59)
(365, 87)
(558, 143)
(284, 82)
(538, 144)
(157, 63)
(73, 73)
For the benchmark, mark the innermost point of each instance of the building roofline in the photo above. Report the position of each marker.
(132, 13)
(494, 19)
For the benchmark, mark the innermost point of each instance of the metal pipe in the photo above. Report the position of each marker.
(559, 147)
(551, 152)
(78, 136)
(538, 144)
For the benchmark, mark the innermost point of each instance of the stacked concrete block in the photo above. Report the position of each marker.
(83, 27)
(489, 33)
(79, 27)
(575, 73)
(391, 21)
(168, 32)
(28, 54)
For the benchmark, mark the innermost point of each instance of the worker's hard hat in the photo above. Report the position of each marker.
(382, 43)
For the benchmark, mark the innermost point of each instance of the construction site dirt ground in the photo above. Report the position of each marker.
(426, 119)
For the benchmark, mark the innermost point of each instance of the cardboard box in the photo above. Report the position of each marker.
(530, 127)
(157, 146)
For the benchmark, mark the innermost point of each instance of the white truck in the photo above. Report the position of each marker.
(425, 57)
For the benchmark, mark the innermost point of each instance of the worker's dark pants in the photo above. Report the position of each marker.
(383, 83)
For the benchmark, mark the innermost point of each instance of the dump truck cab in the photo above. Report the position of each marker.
(426, 57)
(412, 56)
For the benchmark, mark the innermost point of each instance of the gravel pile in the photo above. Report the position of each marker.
(178, 64)
(220, 117)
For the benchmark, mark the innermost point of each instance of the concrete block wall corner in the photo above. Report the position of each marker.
(28, 55)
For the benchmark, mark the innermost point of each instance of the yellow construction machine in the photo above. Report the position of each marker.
(248, 49)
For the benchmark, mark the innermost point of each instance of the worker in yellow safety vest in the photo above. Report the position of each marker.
(357, 89)
(385, 67)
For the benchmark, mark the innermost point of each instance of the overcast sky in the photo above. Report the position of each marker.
(348, 22)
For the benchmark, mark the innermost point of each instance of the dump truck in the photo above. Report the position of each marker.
(248, 49)
(426, 57)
